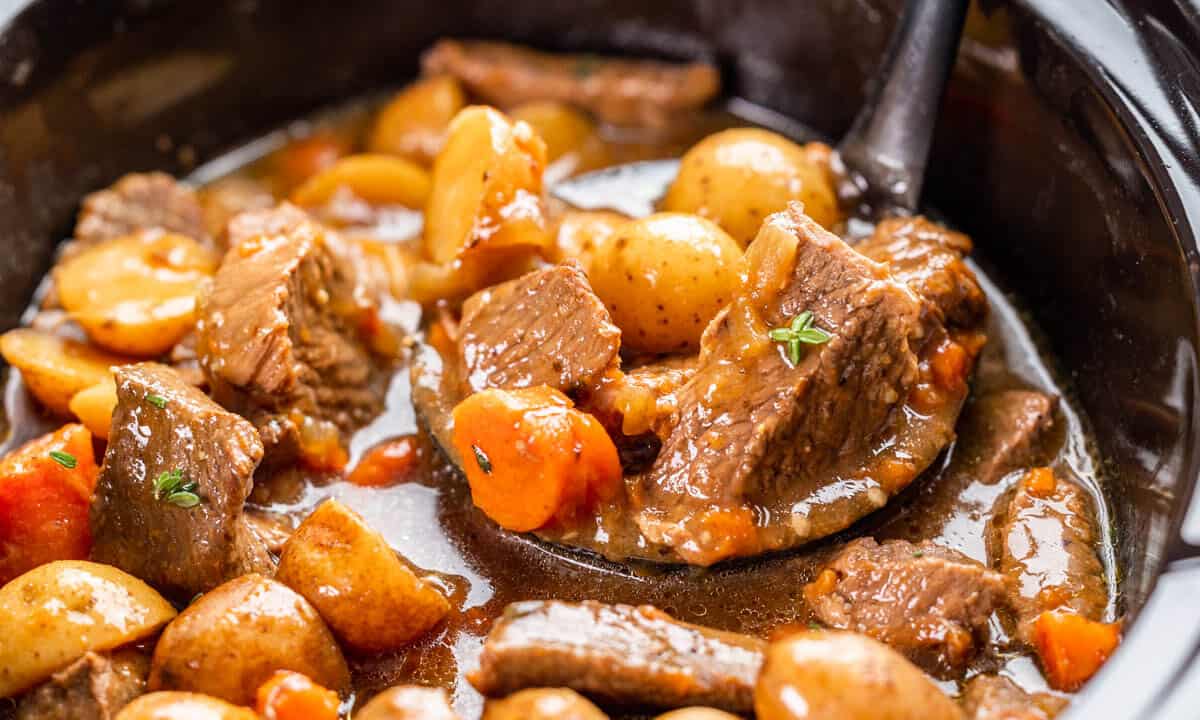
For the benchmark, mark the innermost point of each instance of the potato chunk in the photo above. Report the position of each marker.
(487, 187)
(736, 178)
(94, 406)
(136, 294)
(377, 179)
(543, 704)
(183, 706)
(55, 368)
(372, 601)
(55, 613)
(844, 676)
(664, 277)
(413, 123)
(408, 702)
(231, 640)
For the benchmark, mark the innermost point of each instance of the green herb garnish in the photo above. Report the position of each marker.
(799, 333)
(65, 459)
(170, 487)
(919, 554)
(157, 401)
(814, 626)
(485, 464)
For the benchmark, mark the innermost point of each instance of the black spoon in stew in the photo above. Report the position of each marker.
(884, 152)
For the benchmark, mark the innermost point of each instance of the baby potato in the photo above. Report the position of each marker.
(736, 178)
(845, 676)
(136, 294)
(408, 702)
(371, 600)
(487, 187)
(377, 179)
(697, 713)
(231, 640)
(563, 128)
(55, 368)
(55, 613)
(183, 706)
(413, 123)
(664, 277)
(583, 233)
(543, 704)
(94, 406)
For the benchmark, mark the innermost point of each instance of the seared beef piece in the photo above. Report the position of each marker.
(1001, 431)
(1044, 542)
(179, 550)
(545, 328)
(641, 399)
(633, 656)
(141, 201)
(283, 335)
(929, 258)
(751, 429)
(94, 687)
(619, 91)
(995, 697)
(928, 602)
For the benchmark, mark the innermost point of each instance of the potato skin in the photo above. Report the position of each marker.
(845, 676)
(736, 178)
(371, 600)
(487, 187)
(663, 278)
(413, 123)
(55, 368)
(582, 234)
(408, 702)
(543, 704)
(59, 611)
(231, 640)
(697, 713)
(183, 706)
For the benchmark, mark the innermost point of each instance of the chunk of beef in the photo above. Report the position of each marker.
(635, 656)
(930, 259)
(642, 398)
(928, 602)
(545, 328)
(815, 444)
(995, 697)
(620, 91)
(163, 426)
(284, 336)
(1001, 431)
(94, 687)
(141, 201)
(1045, 542)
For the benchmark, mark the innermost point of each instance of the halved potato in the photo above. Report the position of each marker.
(408, 702)
(371, 600)
(55, 368)
(54, 614)
(183, 706)
(563, 128)
(543, 704)
(487, 187)
(413, 123)
(231, 640)
(94, 406)
(136, 294)
(377, 179)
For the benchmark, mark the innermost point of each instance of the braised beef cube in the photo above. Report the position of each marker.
(285, 337)
(995, 697)
(545, 328)
(928, 602)
(1002, 430)
(930, 259)
(1045, 541)
(94, 687)
(168, 506)
(620, 91)
(620, 654)
(141, 201)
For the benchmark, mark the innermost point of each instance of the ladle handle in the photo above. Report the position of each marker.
(888, 144)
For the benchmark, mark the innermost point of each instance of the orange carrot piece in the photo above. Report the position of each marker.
(531, 458)
(45, 491)
(950, 364)
(288, 695)
(301, 159)
(1040, 482)
(388, 463)
(1072, 648)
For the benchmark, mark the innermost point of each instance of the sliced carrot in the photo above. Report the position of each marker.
(950, 363)
(1072, 648)
(388, 463)
(1039, 482)
(301, 159)
(45, 492)
(532, 459)
(290, 695)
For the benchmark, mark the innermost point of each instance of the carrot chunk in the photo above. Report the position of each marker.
(288, 695)
(1039, 482)
(388, 463)
(45, 491)
(1072, 648)
(532, 459)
